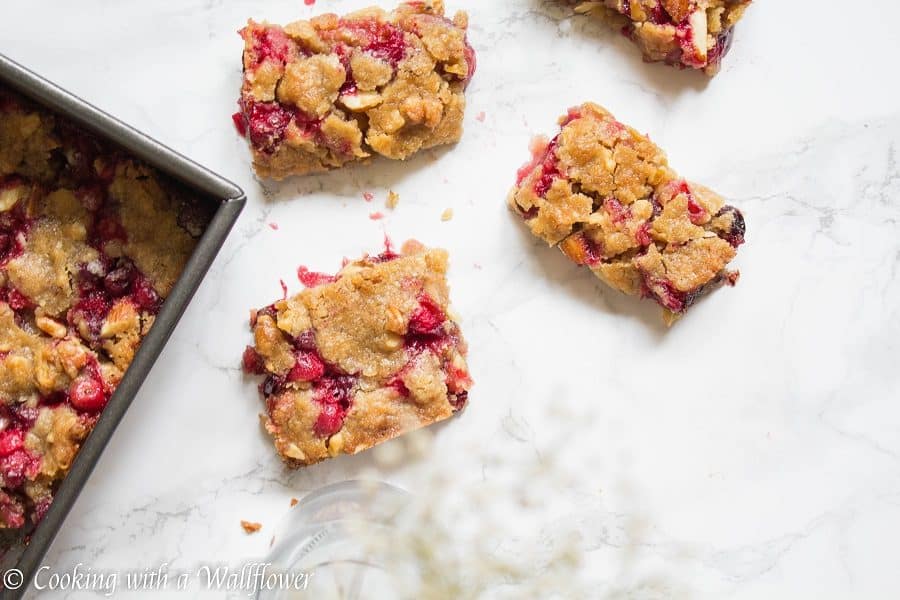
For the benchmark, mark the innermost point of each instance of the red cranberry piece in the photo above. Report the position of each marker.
(382, 40)
(118, 281)
(87, 392)
(312, 279)
(271, 385)
(668, 296)
(721, 47)
(108, 229)
(458, 401)
(12, 513)
(252, 362)
(659, 16)
(335, 389)
(308, 367)
(427, 319)
(397, 385)
(11, 440)
(349, 87)
(696, 213)
(330, 420)
(92, 309)
(271, 43)
(240, 123)
(618, 213)
(145, 296)
(40, 509)
(734, 236)
(17, 466)
(471, 61)
(267, 122)
(13, 227)
(643, 235)
(549, 170)
(583, 250)
(17, 300)
(92, 196)
(306, 341)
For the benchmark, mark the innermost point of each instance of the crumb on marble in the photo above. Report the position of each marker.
(368, 196)
(376, 216)
(447, 214)
(273, 226)
(393, 200)
(480, 117)
(250, 526)
(294, 502)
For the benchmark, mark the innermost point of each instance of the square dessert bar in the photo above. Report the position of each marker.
(91, 243)
(690, 34)
(606, 196)
(361, 357)
(321, 93)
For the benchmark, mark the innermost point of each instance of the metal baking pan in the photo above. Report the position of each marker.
(26, 558)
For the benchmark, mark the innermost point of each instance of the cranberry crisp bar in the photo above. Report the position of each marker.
(321, 93)
(691, 34)
(606, 196)
(361, 357)
(91, 242)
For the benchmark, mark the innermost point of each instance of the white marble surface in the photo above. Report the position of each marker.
(757, 442)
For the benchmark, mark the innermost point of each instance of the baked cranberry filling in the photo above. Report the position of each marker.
(349, 87)
(88, 391)
(335, 394)
(667, 295)
(381, 40)
(588, 252)
(12, 512)
(105, 230)
(92, 196)
(308, 366)
(102, 282)
(266, 123)
(642, 235)
(11, 440)
(721, 47)
(252, 362)
(659, 16)
(16, 299)
(240, 123)
(270, 44)
(306, 341)
(14, 226)
(616, 211)
(426, 329)
(40, 509)
(471, 62)
(549, 170)
(735, 235)
(427, 319)
(17, 466)
(690, 56)
(458, 400)
(313, 279)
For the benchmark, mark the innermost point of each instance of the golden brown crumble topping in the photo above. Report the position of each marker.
(361, 357)
(321, 93)
(606, 196)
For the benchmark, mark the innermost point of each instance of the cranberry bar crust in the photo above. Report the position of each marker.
(690, 34)
(321, 93)
(361, 357)
(91, 243)
(606, 196)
